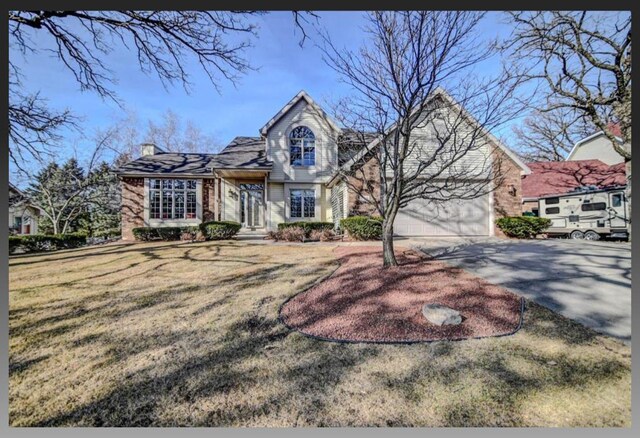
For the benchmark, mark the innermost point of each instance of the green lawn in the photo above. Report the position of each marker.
(187, 334)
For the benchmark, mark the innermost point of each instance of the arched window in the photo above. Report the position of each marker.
(302, 145)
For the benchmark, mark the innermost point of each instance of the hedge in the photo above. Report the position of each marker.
(159, 233)
(363, 227)
(307, 227)
(46, 242)
(108, 233)
(219, 230)
(523, 227)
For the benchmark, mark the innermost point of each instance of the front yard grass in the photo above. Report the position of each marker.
(186, 334)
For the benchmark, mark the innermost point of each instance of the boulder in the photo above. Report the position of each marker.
(441, 315)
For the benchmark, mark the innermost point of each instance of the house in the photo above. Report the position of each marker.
(560, 177)
(287, 173)
(596, 147)
(23, 216)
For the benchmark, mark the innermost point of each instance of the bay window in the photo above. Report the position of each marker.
(172, 198)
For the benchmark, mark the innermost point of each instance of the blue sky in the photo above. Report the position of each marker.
(284, 68)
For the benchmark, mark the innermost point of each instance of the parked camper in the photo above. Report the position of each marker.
(586, 213)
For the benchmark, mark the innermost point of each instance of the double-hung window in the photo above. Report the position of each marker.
(172, 198)
(303, 203)
(302, 147)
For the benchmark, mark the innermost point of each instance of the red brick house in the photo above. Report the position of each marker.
(290, 173)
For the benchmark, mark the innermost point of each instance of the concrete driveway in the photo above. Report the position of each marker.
(589, 282)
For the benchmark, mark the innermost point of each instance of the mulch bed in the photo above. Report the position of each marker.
(362, 302)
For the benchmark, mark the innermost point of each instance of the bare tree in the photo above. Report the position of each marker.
(549, 136)
(584, 59)
(429, 144)
(177, 135)
(163, 42)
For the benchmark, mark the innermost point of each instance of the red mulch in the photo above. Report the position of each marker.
(361, 301)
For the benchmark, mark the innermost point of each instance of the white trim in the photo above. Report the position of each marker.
(585, 140)
(301, 95)
(317, 211)
(158, 222)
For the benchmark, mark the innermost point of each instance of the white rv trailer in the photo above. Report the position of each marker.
(586, 213)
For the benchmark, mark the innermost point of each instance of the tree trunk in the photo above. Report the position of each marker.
(388, 254)
(627, 194)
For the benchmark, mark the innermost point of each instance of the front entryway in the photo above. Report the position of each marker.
(252, 205)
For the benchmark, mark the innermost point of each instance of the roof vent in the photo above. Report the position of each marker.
(150, 149)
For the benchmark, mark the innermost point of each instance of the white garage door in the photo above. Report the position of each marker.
(454, 218)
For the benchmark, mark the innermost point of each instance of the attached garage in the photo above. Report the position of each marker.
(453, 218)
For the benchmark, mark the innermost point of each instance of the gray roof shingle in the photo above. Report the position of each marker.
(242, 152)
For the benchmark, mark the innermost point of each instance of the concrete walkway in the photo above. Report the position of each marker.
(589, 282)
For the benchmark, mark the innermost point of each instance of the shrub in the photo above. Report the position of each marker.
(109, 233)
(291, 234)
(165, 233)
(46, 242)
(363, 227)
(219, 230)
(322, 235)
(308, 227)
(523, 227)
(14, 243)
(191, 233)
(71, 240)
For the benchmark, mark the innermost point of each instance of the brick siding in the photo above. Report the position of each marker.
(132, 209)
(507, 197)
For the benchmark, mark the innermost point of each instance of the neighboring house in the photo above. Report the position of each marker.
(559, 177)
(596, 147)
(23, 217)
(286, 174)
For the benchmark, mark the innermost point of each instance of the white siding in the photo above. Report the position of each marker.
(276, 205)
(474, 163)
(600, 148)
(278, 146)
(231, 200)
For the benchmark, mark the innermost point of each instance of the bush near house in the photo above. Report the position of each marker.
(45, 242)
(219, 230)
(109, 233)
(363, 227)
(288, 234)
(307, 227)
(523, 227)
(322, 235)
(158, 233)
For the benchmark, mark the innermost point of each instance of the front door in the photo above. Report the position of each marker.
(251, 205)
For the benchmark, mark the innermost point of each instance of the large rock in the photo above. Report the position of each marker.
(441, 315)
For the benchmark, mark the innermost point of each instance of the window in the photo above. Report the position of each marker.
(172, 198)
(616, 200)
(552, 210)
(302, 145)
(550, 201)
(17, 223)
(594, 206)
(303, 203)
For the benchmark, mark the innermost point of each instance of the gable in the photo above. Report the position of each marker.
(595, 147)
(294, 105)
(470, 120)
